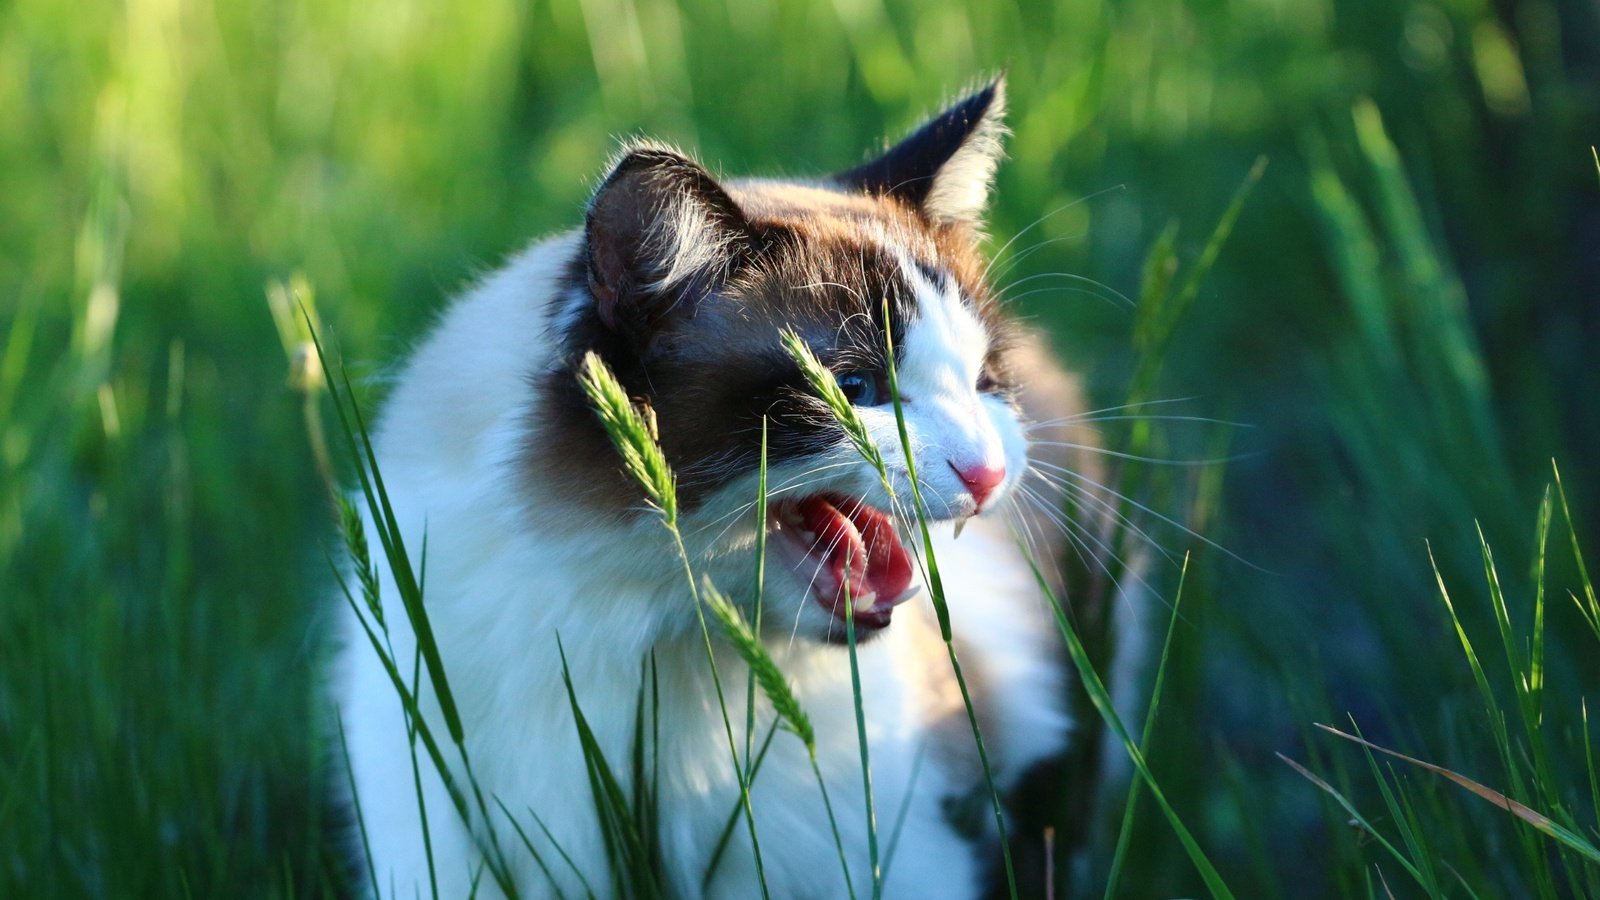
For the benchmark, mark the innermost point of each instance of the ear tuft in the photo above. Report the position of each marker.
(944, 168)
(659, 227)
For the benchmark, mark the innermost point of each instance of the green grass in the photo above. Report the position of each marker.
(1402, 313)
(642, 458)
(1543, 763)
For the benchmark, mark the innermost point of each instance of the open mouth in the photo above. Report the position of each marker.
(851, 553)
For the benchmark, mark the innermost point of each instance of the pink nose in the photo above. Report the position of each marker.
(981, 480)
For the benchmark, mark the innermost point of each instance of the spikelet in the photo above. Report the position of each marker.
(355, 542)
(822, 381)
(772, 682)
(631, 435)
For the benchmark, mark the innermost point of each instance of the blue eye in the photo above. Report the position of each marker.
(861, 388)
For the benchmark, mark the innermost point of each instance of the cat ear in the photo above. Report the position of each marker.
(945, 167)
(660, 231)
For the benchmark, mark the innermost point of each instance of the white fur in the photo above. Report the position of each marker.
(960, 189)
(508, 570)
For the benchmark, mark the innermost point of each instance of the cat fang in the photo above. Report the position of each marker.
(682, 283)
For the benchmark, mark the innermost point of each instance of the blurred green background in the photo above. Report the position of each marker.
(1403, 321)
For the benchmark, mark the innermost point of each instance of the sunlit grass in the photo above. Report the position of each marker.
(1395, 313)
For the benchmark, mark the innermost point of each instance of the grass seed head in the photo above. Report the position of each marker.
(354, 532)
(630, 433)
(771, 679)
(822, 381)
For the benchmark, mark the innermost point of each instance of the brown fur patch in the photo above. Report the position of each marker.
(823, 262)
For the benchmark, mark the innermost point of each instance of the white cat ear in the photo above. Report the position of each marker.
(945, 167)
(659, 229)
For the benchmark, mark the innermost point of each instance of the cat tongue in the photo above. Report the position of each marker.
(857, 540)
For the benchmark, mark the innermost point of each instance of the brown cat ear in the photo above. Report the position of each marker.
(660, 233)
(944, 168)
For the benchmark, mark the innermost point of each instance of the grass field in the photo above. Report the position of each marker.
(1402, 323)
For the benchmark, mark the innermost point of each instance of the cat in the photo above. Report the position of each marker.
(495, 461)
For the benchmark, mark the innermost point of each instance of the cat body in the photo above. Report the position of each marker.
(496, 465)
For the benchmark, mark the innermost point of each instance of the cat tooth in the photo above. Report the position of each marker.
(961, 524)
(865, 602)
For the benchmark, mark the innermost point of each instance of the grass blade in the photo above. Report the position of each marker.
(422, 800)
(408, 702)
(561, 852)
(936, 590)
(1501, 737)
(527, 844)
(618, 826)
(1591, 611)
(634, 439)
(1125, 832)
(736, 813)
(357, 436)
(355, 802)
(1101, 698)
(763, 669)
(861, 739)
(776, 688)
(1540, 822)
(410, 591)
(1588, 763)
(1522, 675)
(1355, 816)
(904, 810)
(760, 594)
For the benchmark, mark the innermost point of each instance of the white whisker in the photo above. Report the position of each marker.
(1099, 289)
(1039, 221)
(1083, 416)
(1017, 258)
(1151, 419)
(1090, 448)
(1083, 493)
(791, 483)
(1148, 511)
(1078, 540)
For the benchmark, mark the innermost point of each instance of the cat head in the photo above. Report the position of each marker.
(684, 283)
